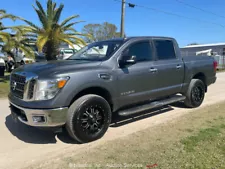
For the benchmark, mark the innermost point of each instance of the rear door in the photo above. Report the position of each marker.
(170, 68)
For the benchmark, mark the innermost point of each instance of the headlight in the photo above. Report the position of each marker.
(47, 89)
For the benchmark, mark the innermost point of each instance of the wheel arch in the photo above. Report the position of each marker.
(100, 91)
(201, 76)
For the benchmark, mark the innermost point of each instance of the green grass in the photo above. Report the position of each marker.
(220, 70)
(208, 134)
(190, 142)
(4, 85)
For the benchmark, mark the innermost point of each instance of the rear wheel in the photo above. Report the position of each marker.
(195, 93)
(88, 118)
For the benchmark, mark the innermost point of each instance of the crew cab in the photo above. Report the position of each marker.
(129, 76)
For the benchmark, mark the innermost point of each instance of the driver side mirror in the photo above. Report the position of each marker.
(127, 60)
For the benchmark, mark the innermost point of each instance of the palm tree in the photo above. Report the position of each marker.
(52, 32)
(18, 41)
(3, 15)
(9, 41)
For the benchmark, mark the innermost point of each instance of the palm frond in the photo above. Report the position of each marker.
(15, 28)
(41, 9)
(71, 29)
(58, 13)
(41, 41)
(27, 50)
(41, 17)
(49, 10)
(53, 6)
(9, 16)
(75, 33)
(2, 11)
(4, 36)
(70, 25)
(79, 43)
(29, 29)
(65, 40)
(69, 19)
(75, 39)
(32, 25)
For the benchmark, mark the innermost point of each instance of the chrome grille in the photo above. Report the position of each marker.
(22, 85)
(17, 85)
(31, 89)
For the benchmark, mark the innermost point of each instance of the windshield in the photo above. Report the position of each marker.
(97, 51)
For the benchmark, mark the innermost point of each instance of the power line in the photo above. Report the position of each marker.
(203, 10)
(170, 13)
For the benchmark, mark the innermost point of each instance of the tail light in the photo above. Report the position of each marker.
(215, 64)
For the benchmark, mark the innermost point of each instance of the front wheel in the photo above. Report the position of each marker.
(195, 93)
(22, 63)
(8, 67)
(88, 118)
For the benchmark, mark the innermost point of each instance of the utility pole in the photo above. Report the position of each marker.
(122, 19)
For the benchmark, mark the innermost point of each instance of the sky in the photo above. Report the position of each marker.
(139, 21)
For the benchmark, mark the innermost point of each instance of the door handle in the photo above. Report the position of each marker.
(153, 70)
(178, 66)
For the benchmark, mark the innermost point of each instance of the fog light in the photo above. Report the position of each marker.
(38, 119)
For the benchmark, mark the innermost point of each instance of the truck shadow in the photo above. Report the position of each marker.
(35, 135)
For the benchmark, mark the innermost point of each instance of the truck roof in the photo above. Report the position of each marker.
(139, 37)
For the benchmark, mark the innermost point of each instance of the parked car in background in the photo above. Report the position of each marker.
(124, 76)
(20, 57)
(2, 66)
(3, 55)
(65, 53)
(8, 60)
(40, 57)
(18, 60)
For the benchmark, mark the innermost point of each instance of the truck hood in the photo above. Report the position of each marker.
(46, 69)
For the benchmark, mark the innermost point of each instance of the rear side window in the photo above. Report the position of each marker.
(164, 49)
(142, 51)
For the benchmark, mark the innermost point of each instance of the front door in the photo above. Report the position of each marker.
(136, 80)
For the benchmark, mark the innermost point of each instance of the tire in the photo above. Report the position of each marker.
(195, 93)
(8, 68)
(22, 63)
(88, 118)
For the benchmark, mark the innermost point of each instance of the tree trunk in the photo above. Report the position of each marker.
(51, 50)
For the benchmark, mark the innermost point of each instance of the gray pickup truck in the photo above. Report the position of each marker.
(123, 76)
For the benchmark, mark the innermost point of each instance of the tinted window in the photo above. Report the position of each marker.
(164, 49)
(141, 50)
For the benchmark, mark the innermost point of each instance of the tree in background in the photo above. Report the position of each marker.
(100, 32)
(9, 41)
(5, 35)
(51, 33)
(17, 41)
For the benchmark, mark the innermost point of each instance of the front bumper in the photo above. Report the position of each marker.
(39, 117)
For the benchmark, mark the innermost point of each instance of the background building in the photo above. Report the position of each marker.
(218, 48)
